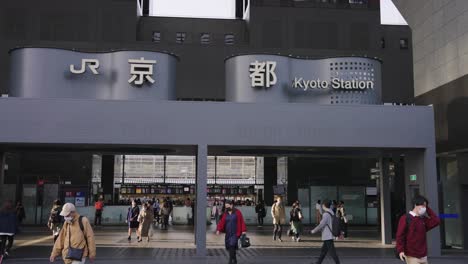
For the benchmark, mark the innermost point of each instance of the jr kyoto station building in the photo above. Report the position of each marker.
(121, 100)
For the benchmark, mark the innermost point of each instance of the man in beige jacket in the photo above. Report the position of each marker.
(75, 235)
(278, 213)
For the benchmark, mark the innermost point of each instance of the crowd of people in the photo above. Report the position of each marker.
(73, 234)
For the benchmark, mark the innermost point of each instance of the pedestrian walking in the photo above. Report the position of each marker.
(233, 225)
(165, 212)
(326, 227)
(411, 241)
(333, 206)
(156, 211)
(76, 239)
(318, 212)
(20, 213)
(8, 228)
(261, 212)
(99, 208)
(132, 219)
(55, 221)
(145, 219)
(296, 217)
(341, 213)
(216, 211)
(278, 214)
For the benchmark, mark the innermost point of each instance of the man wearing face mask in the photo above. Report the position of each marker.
(411, 240)
(233, 225)
(76, 238)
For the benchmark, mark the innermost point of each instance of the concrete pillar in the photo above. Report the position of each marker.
(422, 163)
(385, 202)
(201, 203)
(270, 178)
(107, 176)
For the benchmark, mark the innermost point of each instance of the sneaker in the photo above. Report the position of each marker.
(280, 240)
(129, 238)
(298, 239)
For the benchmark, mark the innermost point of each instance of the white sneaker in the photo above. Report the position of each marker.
(293, 238)
(298, 239)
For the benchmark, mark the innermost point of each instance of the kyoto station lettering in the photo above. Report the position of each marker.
(275, 78)
(300, 83)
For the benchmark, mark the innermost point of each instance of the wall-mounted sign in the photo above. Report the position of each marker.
(273, 78)
(413, 177)
(121, 75)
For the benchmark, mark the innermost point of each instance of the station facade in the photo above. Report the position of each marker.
(207, 109)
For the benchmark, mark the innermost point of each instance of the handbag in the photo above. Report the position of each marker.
(244, 241)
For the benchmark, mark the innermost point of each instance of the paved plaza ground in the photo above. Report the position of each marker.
(176, 245)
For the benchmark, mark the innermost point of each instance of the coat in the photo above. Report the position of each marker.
(145, 218)
(233, 225)
(241, 227)
(72, 232)
(278, 213)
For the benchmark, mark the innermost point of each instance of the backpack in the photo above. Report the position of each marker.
(55, 217)
(408, 222)
(335, 228)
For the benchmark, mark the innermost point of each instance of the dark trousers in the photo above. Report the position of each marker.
(232, 255)
(260, 219)
(165, 221)
(157, 217)
(98, 217)
(4, 247)
(277, 231)
(328, 246)
(344, 228)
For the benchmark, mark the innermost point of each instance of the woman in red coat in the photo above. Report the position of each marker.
(233, 225)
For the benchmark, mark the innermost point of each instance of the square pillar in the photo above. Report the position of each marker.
(385, 202)
(107, 177)
(270, 168)
(201, 203)
(422, 163)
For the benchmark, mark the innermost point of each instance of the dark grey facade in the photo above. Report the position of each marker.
(306, 29)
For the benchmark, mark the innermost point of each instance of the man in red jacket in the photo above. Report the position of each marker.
(233, 225)
(411, 242)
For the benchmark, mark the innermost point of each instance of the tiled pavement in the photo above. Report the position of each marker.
(33, 245)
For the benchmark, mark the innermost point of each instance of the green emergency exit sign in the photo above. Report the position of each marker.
(413, 177)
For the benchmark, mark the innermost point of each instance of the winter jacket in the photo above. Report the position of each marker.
(76, 240)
